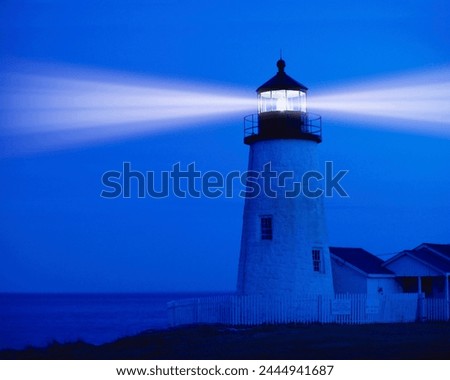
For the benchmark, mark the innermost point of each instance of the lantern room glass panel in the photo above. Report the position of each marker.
(281, 100)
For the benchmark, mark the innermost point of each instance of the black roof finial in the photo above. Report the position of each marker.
(281, 65)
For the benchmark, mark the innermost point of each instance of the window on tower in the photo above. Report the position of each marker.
(317, 260)
(266, 227)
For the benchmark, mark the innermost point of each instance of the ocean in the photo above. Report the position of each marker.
(40, 319)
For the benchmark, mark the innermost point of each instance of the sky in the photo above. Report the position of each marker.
(59, 235)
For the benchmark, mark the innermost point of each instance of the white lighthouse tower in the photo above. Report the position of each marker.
(284, 249)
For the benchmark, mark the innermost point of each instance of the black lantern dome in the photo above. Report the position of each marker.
(281, 81)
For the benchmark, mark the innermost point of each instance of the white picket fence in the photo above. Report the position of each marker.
(340, 308)
(436, 309)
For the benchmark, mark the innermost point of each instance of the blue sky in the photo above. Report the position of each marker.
(58, 234)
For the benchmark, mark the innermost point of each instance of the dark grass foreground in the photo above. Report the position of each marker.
(380, 341)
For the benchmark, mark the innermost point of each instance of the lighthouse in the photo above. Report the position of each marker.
(284, 248)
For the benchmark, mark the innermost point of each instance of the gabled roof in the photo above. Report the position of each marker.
(361, 259)
(442, 249)
(426, 257)
(432, 258)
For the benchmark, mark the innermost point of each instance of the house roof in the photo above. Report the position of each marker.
(443, 249)
(425, 256)
(361, 259)
(432, 258)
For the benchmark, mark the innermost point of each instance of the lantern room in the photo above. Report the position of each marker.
(282, 111)
(281, 93)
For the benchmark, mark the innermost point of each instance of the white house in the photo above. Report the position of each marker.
(424, 269)
(357, 271)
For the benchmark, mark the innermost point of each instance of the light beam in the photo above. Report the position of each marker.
(54, 107)
(64, 107)
(418, 102)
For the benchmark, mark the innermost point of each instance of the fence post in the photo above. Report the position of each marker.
(319, 308)
(421, 307)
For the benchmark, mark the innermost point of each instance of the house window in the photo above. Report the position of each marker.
(317, 259)
(266, 227)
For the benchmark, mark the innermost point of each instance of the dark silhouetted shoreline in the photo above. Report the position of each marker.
(379, 341)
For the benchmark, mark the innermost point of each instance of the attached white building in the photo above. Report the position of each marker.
(424, 269)
(357, 271)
